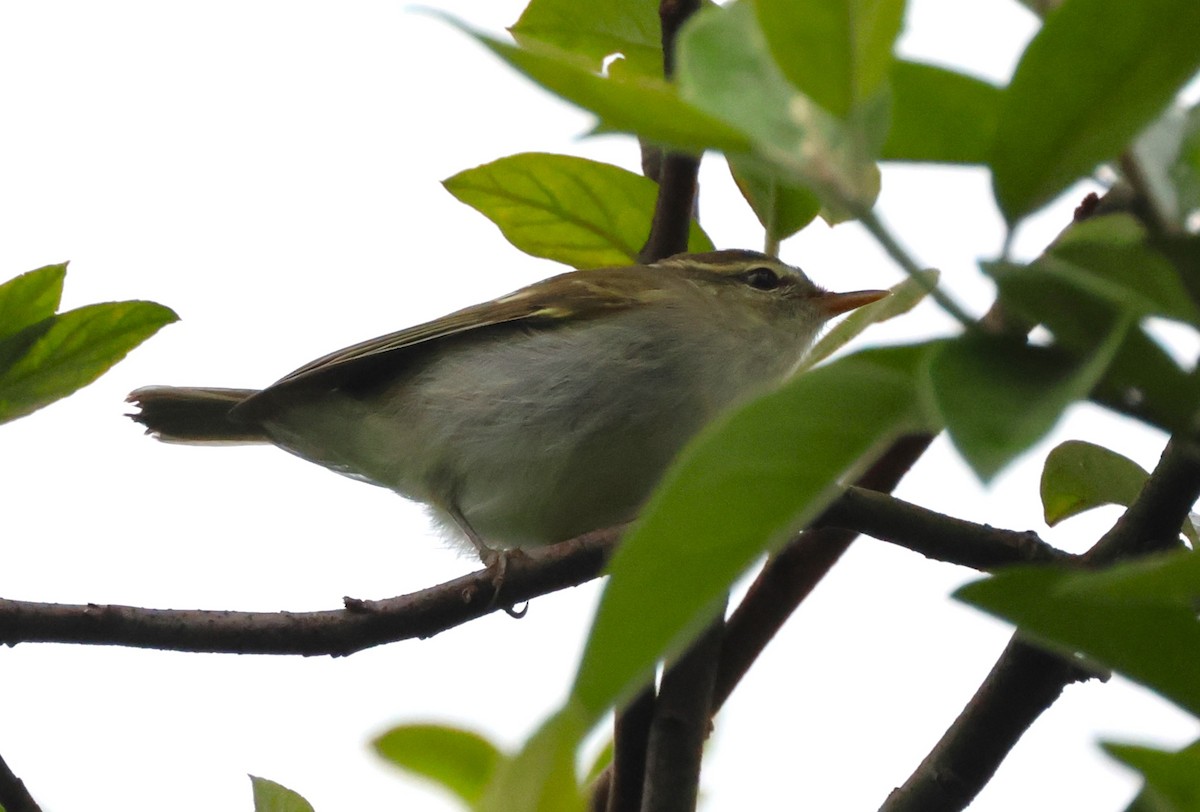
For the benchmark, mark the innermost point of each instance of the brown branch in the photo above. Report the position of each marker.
(14, 796)
(674, 171)
(1026, 680)
(620, 787)
(673, 208)
(681, 724)
(360, 625)
(935, 535)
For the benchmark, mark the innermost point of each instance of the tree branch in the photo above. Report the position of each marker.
(681, 723)
(361, 624)
(620, 787)
(1024, 682)
(935, 535)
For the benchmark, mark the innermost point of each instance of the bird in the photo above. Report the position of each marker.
(540, 415)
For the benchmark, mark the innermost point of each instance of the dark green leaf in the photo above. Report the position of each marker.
(461, 761)
(1138, 618)
(1095, 74)
(940, 116)
(583, 213)
(624, 101)
(1183, 251)
(1142, 379)
(737, 490)
(74, 350)
(1172, 779)
(837, 52)
(999, 396)
(597, 30)
(272, 797)
(1110, 257)
(724, 69)
(783, 208)
(1145, 382)
(29, 298)
(905, 296)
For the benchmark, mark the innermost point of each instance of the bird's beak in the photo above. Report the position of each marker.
(833, 304)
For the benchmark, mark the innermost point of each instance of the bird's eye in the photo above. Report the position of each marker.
(762, 279)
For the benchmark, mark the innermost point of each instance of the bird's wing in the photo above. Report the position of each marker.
(543, 305)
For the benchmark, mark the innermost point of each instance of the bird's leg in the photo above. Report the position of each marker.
(496, 561)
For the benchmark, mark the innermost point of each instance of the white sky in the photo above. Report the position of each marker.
(271, 170)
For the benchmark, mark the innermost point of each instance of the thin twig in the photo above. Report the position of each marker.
(907, 264)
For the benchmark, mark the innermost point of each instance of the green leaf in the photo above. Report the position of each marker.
(29, 298)
(1138, 618)
(597, 30)
(272, 797)
(1079, 476)
(737, 490)
(625, 101)
(999, 395)
(837, 52)
(783, 208)
(940, 116)
(1172, 779)
(905, 296)
(1095, 74)
(1111, 258)
(724, 69)
(541, 778)
(72, 350)
(461, 761)
(583, 213)
(1142, 378)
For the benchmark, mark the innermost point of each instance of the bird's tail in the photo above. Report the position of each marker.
(194, 415)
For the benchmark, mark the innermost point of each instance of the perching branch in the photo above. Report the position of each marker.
(361, 624)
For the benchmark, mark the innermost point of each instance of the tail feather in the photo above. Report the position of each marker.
(194, 415)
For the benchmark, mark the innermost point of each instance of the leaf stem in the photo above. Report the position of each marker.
(884, 237)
